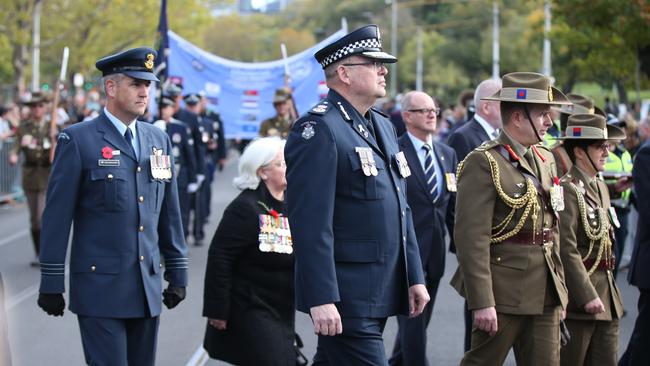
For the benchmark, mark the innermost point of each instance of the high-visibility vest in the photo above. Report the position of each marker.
(617, 165)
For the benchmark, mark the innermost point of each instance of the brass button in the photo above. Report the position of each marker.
(141, 199)
(139, 169)
(160, 265)
(141, 228)
(397, 189)
(110, 177)
(93, 268)
(498, 259)
(141, 258)
(403, 213)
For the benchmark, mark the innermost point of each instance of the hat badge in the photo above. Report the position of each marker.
(149, 63)
(550, 94)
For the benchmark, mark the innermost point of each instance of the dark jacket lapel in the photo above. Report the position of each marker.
(112, 135)
(414, 162)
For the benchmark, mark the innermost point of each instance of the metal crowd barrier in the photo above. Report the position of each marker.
(10, 175)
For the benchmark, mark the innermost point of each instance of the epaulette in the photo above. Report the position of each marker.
(320, 108)
(380, 112)
(487, 145)
(544, 147)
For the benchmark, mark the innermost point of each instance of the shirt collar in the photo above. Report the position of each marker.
(417, 143)
(121, 127)
(519, 149)
(486, 126)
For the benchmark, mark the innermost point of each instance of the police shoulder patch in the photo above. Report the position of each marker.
(320, 109)
(63, 138)
(308, 129)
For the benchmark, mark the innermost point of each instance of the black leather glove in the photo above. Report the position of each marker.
(172, 296)
(52, 304)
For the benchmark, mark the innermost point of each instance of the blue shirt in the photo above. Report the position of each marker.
(422, 153)
(121, 127)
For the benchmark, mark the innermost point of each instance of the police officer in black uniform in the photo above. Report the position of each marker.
(184, 159)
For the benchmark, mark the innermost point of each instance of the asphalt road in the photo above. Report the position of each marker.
(39, 339)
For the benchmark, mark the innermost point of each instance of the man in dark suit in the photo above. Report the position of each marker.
(113, 177)
(483, 126)
(357, 260)
(431, 194)
(639, 275)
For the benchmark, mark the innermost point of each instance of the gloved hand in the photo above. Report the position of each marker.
(199, 179)
(172, 296)
(52, 304)
(192, 187)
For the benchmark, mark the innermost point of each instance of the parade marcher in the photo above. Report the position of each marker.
(580, 104)
(184, 160)
(357, 259)
(431, 194)
(639, 273)
(197, 199)
(113, 178)
(216, 149)
(506, 232)
(587, 245)
(483, 126)
(249, 288)
(33, 140)
(280, 124)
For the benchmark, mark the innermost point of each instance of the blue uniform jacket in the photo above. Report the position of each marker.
(639, 274)
(124, 219)
(183, 149)
(431, 220)
(353, 234)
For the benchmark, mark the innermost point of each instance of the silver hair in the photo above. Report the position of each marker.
(115, 77)
(485, 89)
(258, 153)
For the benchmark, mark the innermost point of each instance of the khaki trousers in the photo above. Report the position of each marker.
(535, 339)
(36, 204)
(593, 342)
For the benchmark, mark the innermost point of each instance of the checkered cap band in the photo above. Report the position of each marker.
(370, 44)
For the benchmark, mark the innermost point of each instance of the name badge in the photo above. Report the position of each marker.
(160, 165)
(402, 165)
(108, 162)
(450, 178)
(368, 164)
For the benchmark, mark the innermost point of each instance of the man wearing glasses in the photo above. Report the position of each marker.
(357, 259)
(33, 140)
(431, 194)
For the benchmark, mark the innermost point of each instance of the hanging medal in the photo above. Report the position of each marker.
(557, 195)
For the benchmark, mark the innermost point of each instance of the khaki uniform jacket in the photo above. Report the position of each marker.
(33, 140)
(575, 246)
(513, 277)
(276, 126)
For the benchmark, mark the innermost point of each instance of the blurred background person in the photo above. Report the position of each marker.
(279, 124)
(33, 141)
(249, 289)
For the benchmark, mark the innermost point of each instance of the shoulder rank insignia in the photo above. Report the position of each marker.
(63, 136)
(345, 113)
(320, 108)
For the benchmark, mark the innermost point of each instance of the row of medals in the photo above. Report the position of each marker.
(275, 235)
(160, 165)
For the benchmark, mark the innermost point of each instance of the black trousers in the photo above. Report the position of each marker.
(637, 352)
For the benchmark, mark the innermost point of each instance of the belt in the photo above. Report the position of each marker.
(527, 238)
(602, 265)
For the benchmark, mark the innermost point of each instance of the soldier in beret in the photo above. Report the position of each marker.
(587, 245)
(509, 257)
(113, 178)
(357, 259)
(33, 140)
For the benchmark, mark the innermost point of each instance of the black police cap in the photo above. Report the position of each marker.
(136, 63)
(192, 98)
(166, 102)
(365, 41)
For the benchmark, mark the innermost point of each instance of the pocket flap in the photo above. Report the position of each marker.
(355, 161)
(359, 251)
(107, 174)
(96, 265)
(511, 260)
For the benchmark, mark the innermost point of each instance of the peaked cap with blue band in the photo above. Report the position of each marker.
(136, 63)
(364, 41)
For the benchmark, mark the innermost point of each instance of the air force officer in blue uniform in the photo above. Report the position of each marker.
(113, 178)
(431, 194)
(357, 259)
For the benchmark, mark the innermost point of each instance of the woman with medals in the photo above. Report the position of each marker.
(587, 245)
(249, 289)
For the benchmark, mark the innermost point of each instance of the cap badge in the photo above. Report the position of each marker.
(149, 63)
(550, 94)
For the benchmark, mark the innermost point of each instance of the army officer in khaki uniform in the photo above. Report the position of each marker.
(506, 232)
(280, 124)
(586, 249)
(33, 140)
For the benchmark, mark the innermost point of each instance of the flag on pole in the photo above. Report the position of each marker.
(160, 65)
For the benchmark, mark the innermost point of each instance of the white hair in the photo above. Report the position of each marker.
(485, 89)
(258, 153)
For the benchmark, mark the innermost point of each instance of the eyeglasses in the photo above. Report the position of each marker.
(375, 64)
(603, 147)
(435, 111)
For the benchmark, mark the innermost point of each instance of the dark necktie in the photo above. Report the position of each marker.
(128, 136)
(430, 173)
(371, 128)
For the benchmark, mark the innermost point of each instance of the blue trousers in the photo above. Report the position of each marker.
(119, 342)
(360, 344)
